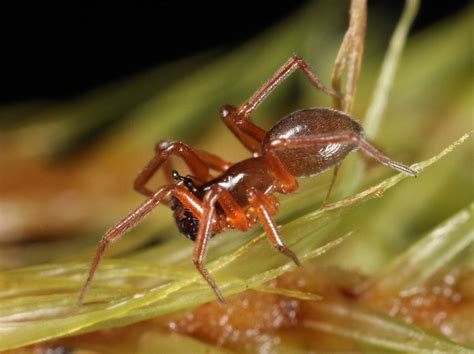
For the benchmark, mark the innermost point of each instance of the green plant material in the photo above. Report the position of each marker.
(427, 93)
(408, 214)
(386, 78)
(384, 332)
(38, 303)
(150, 341)
(380, 189)
(300, 295)
(427, 256)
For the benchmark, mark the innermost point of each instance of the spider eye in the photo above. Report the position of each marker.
(175, 175)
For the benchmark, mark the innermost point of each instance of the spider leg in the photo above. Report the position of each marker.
(198, 162)
(250, 135)
(235, 215)
(132, 219)
(258, 202)
(331, 184)
(214, 162)
(343, 138)
(294, 63)
(204, 233)
(238, 120)
(288, 182)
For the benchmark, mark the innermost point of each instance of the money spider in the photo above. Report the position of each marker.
(302, 144)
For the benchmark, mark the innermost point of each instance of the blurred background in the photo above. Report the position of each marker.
(60, 53)
(87, 91)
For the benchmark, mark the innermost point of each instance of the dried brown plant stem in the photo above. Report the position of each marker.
(349, 57)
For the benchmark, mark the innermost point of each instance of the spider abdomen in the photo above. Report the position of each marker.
(310, 123)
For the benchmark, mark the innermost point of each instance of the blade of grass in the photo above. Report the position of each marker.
(200, 293)
(426, 257)
(367, 326)
(392, 57)
(300, 295)
(378, 190)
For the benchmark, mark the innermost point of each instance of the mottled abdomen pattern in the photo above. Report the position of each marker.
(311, 123)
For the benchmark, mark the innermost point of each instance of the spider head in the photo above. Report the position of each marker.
(186, 222)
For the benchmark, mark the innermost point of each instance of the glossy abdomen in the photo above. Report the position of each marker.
(309, 123)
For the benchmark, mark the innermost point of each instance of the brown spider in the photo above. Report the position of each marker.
(303, 143)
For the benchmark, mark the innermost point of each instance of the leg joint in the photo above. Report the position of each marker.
(104, 242)
(226, 110)
(162, 145)
(297, 59)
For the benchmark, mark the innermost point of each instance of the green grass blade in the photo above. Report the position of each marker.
(389, 67)
(384, 332)
(427, 256)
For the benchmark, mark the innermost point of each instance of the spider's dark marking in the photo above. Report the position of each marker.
(186, 222)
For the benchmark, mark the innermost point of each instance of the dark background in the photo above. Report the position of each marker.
(63, 51)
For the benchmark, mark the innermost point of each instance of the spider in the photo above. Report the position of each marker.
(302, 144)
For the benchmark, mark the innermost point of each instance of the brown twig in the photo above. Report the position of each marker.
(350, 57)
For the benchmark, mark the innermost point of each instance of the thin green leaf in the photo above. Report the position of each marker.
(367, 326)
(300, 295)
(427, 256)
(389, 67)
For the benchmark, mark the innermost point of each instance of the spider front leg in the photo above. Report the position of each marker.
(199, 162)
(238, 119)
(132, 219)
